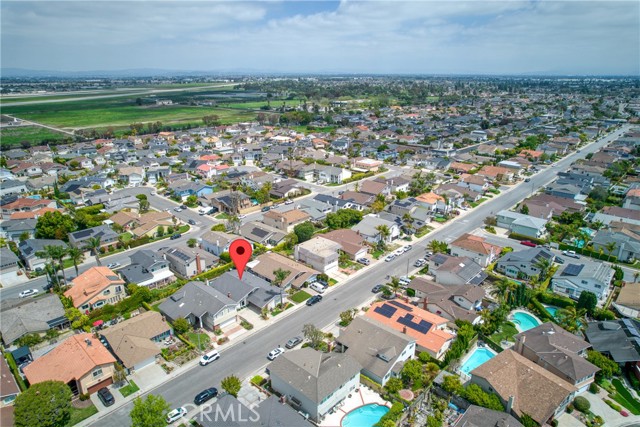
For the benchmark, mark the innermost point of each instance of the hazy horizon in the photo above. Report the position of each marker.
(520, 38)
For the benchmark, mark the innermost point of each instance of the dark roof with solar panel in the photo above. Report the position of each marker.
(407, 320)
(572, 269)
(385, 310)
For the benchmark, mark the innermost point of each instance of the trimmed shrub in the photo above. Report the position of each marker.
(593, 388)
(581, 404)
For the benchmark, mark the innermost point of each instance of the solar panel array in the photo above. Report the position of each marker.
(403, 306)
(573, 269)
(407, 320)
(385, 310)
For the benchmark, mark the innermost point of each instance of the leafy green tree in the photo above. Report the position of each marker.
(181, 325)
(588, 301)
(393, 385)
(313, 334)
(452, 384)
(411, 371)
(528, 421)
(304, 231)
(45, 404)
(608, 367)
(150, 412)
(231, 385)
(474, 394)
(524, 209)
(192, 243)
(55, 225)
(571, 318)
(343, 218)
(346, 317)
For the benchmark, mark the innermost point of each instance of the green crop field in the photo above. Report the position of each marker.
(34, 134)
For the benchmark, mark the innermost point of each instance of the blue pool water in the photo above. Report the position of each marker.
(364, 416)
(525, 321)
(552, 310)
(477, 358)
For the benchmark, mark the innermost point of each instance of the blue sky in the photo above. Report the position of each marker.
(425, 37)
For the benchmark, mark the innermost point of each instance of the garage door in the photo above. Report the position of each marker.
(145, 363)
(101, 384)
(227, 322)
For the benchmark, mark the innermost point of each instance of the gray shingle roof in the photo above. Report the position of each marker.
(195, 298)
(20, 317)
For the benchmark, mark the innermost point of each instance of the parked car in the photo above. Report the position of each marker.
(527, 179)
(266, 209)
(28, 293)
(275, 353)
(420, 262)
(205, 395)
(428, 255)
(178, 209)
(317, 287)
(364, 261)
(293, 342)
(398, 252)
(176, 236)
(528, 243)
(288, 202)
(113, 265)
(184, 207)
(154, 193)
(242, 216)
(209, 357)
(389, 257)
(377, 288)
(408, 248)
(559, 260)
(314, 299)
(176, 414)
(192, 222)
(106, 397)
(571, 254)
(404, 281)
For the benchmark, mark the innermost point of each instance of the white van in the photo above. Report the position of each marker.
(317, 287)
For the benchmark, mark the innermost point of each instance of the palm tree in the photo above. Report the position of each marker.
(503, 288)
(76, 256)
(55, 253)
(407, 219)
(383, 234)
(610, 246)
(52, 274)
(93, 244)
(394, 284)
(570, 318)
(278, 279)
(437, 246)
(544, 265)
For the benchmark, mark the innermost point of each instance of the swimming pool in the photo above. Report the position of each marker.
(477, 358)
(551, 310)
(524, 321)
(364, 416)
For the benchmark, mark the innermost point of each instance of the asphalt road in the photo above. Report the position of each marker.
(249, 356)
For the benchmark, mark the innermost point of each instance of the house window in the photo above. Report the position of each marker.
(118, 289)
(106, 292)
(97, 373)
(98, 304)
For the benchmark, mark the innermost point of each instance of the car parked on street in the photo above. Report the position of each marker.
(205, 395)
(209, 357)
(106, 397)
(377, 288)
(389, 257)
(420, 262)
(288, 202)
(293, 342)
(178, 209)
(176, 236)
(266, 209)
(113, 265)
(528, 243)
(175, 414)
(314, 299)
(275, 353)
(571, 254)
(404, 281)
(408, 248)
(28, 293)
(192, 222)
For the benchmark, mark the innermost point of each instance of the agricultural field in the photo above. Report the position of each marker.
(34, 134)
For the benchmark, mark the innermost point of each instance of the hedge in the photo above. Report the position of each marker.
(15, 371)
(186, 341)
(540, 310)
(213, 273)
(374, 385)
(552, 299)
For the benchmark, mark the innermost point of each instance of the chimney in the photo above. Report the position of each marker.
(425, 301)
(510, 404)
(198, 266)
(404, 329)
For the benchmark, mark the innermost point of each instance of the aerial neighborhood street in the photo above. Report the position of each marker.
(420, 261)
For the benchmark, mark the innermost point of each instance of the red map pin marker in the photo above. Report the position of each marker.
(240, 253)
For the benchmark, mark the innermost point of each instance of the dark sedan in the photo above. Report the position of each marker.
(314, 299)
(205, 395)
(106, 397)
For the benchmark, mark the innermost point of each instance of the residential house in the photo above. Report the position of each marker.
(136, 342)
(266, 264)
(25, 204)
(250, 291)
(610, 214)
(476, 248)
(496, 173)
(566, 191)
(477, 416)
(617, 339)
(9, 390)
(148, 269)
(559, 352)
(216, 242)
(91, 369)
(459, 271)
(524, 264)
(473, 182)
(184, 189)
(286, 189)
(108, 237)
(9, 265)
(285, 221)
(15, 229)
(428, 329)
(524, 387)
(432, 202)
(557, 204)
(335, 203)
(314, 382)
(369, 229)
(96, 287)
(187, 262)
(521, 224)
(626, 238)
(31, 316)
(332, 174)
(133, 176)
(379, 349)
(320, 253)
(12, 187)
(258, 232)
(628, 301)
(571, 279)
(351, 243)
(631, 199)
(451, 302)
(373, 188)
(202, 305)
(231, 202)
(30, 248)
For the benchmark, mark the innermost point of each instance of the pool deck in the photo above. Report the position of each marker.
(519, 310)
(364, 396)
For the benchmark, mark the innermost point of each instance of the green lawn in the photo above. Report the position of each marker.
(223, 215)
(377, 253)
(300, 296)
(204, 340)
(129, 389)
(79, 414)
(34, 134)
(506, 332)
(125, 237)
(625, 398)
